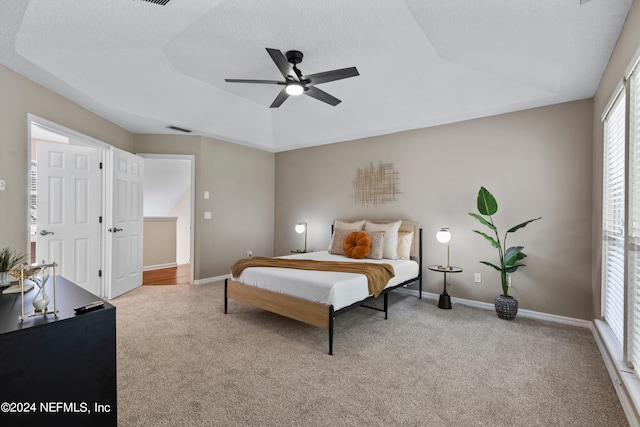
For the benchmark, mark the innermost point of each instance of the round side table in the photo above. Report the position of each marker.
(445, 299)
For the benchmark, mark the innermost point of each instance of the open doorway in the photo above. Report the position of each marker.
(168, 206)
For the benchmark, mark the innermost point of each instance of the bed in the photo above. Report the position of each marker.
(317, 297)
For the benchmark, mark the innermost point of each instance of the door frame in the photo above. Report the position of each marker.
(192, 159)
(85, 140)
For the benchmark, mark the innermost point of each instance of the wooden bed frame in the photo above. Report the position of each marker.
(314, 313)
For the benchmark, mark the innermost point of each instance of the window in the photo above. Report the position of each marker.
(633, 255)
(613, 218)
(621, 219)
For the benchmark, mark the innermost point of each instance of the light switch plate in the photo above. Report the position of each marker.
(206, 194)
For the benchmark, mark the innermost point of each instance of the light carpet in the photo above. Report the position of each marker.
(182, 362)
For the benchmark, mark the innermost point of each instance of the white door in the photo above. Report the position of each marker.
(124, 232)
(68, 212)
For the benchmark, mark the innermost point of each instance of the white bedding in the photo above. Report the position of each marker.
(338, 289)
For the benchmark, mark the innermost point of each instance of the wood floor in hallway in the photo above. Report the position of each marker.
(167, 276)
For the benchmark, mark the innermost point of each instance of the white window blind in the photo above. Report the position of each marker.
(634, 223)
(613, 213)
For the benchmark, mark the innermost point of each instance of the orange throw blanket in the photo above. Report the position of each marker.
(378, 275)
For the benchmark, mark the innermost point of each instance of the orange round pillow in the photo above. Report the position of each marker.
(357, 245)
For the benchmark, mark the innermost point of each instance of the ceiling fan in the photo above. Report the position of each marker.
(295, 83)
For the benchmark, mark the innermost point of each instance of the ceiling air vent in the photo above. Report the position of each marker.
(160, 2)
(176, 127)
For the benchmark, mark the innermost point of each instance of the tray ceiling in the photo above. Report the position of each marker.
(145, 66)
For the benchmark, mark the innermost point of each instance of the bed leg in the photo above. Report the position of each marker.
(386, 295)
(225, 296)
(331, 316)
(420, 263)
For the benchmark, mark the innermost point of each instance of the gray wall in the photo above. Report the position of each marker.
(240, 181)
(536, 162)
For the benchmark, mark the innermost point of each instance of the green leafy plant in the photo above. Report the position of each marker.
(509, 258)
(10, 259)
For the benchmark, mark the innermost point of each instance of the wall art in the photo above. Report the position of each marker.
(376, 185)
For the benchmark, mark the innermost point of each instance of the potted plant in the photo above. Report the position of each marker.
(8, 260)
(506, 305)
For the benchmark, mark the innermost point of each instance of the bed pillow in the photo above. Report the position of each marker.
(353, 225)
(390, 250)
(377, 244)
(357, 245)
(405, 241)
(337, 240)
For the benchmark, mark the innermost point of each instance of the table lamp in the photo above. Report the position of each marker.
(301, 227)
(444, 236)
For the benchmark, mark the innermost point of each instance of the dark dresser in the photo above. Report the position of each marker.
(58, 369)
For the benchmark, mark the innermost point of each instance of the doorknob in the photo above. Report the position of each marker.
(45, 232)
(115, 230)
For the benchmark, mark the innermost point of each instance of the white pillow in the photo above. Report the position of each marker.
(405, 240)
(355, 225)
(390, 250)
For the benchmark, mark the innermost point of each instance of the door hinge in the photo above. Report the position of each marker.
(99, 273)
(100, 165)
(100, 219)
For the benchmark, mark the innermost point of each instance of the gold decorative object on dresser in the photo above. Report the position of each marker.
(39, 275)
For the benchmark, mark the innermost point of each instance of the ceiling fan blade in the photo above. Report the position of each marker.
(273, 82)
(321, 95)
(329, 76)
(283, 65)
(282, 96)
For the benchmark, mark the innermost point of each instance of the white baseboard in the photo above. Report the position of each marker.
(159, 266)
(488, 306)
(211, 279)
(624, 380)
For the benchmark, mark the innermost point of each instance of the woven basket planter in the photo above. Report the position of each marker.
(506, 307)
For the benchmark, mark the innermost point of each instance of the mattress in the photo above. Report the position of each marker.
(326, 287)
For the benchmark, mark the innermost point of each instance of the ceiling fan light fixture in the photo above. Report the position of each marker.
(295, 83)
(294, 89)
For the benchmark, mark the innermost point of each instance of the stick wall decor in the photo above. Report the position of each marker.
(376, 185)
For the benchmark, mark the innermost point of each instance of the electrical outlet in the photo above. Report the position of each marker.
(477, 278)
(249, 254)
(2, 185)
(508, 280)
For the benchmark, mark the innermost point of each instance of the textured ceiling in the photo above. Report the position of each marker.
(422, 63)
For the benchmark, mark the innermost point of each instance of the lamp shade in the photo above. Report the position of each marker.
(444, 235)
